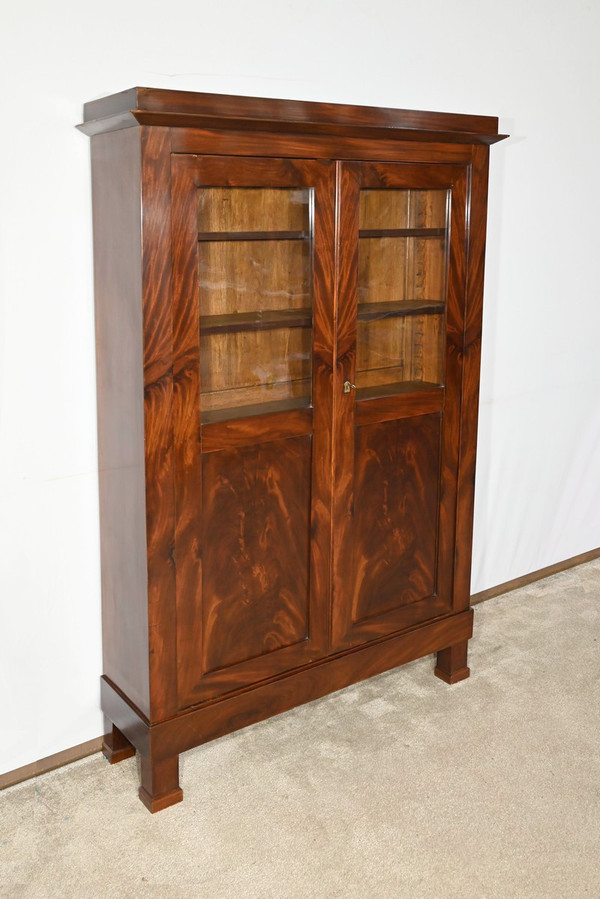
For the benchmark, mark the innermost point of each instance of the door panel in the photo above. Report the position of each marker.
(253, 344)
(255, 565)
(396, 498)
(401, 297)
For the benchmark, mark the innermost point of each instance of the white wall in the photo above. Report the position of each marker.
(533, 62)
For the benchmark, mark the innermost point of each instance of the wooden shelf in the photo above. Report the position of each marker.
(402, 232)
(374, 311)
(253, 235)
(297, 402)
(369, 393)
(272, 319)
(266, 320)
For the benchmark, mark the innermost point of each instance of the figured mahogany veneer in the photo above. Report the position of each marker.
(288, 343)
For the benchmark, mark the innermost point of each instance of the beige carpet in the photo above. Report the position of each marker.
(398, 787)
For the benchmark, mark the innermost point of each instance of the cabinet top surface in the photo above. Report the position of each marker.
(152, 106)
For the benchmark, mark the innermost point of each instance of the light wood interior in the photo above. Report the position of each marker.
(254, 366)
(409, 348)
(253, 209)
(401, 208)
(401, 268)
(255, 294)
(252, 275)
(402, 262)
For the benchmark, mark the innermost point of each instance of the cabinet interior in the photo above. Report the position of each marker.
(255, 286)
(402, 261)
(256, 322)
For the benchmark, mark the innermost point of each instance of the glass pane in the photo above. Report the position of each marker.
(402, 262)
(390, 208)
(253, 209)
(391, 269)
(255, 281)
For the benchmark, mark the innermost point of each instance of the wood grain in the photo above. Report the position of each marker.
(347, 211)
(258, 320)
(187, 548)
(257, 429)
(257, 364)
(397, 308)
(158, 417)
(219, 653)
(395, 523)
(214, 719)
(206, 141)
(415, 354)
(397, 270)
(417, 399)
(400, 348)
(169, 107)
(466, 441)
(302, 111)
(253, 405)
(253, 209)
(249, 275)
(256, 548)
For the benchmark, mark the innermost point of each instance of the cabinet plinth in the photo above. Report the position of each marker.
(288, 361)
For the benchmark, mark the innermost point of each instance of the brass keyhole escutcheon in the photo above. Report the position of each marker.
(348, 386)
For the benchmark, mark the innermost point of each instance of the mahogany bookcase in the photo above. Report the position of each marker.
(288, 317)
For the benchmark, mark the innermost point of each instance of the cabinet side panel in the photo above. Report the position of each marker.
(119, 362)
(470, 380)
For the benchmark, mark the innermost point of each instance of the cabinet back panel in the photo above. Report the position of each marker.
(390, 208)
(400, 349)
(267, 360)
(401, 268)
(397, 467)
(255, 550)
(253, 209)
(249, 275)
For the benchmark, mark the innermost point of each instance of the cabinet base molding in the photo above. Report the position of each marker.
(159, 744)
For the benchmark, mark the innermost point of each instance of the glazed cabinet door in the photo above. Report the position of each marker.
(253, 257)
(402, 261)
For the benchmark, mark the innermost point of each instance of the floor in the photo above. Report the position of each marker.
(400, 786)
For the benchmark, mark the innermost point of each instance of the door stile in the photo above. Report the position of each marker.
(324, 299)
(186, 419)
(347, 194)
(158, 389)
